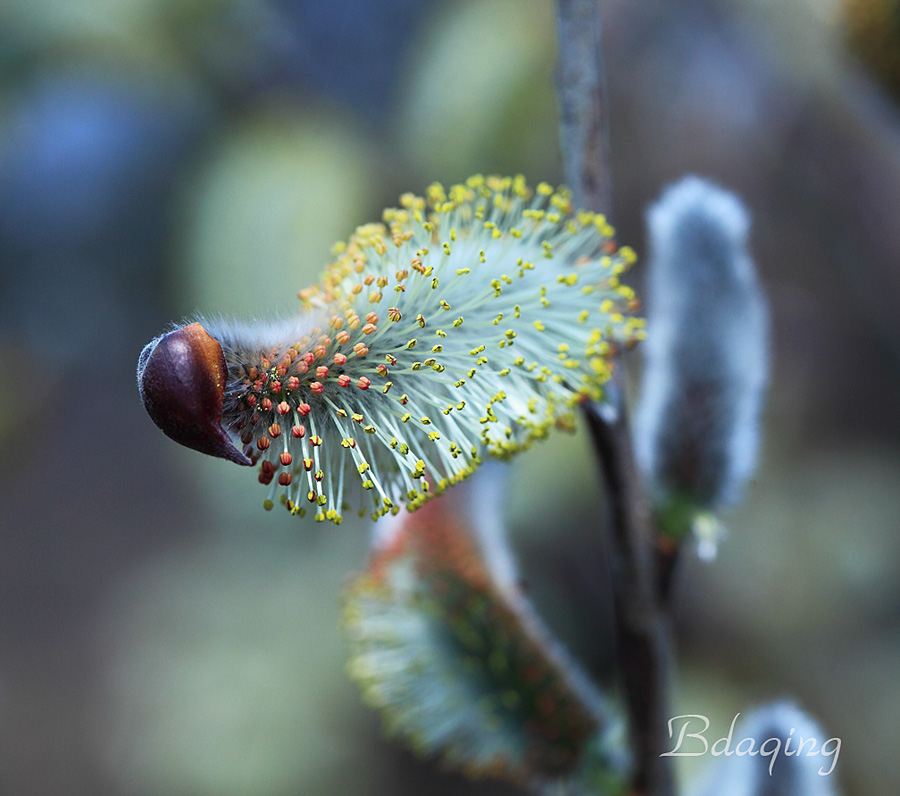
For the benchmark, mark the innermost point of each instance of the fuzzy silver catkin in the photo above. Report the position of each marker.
(482, 502)
(796, 766)
(406, 642)
(468, 322)
(706, 356)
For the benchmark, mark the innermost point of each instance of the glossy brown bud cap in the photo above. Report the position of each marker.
(181, 378)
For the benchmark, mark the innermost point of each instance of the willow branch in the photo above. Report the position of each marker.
(642, 642)
(641, 635)
(581, 96)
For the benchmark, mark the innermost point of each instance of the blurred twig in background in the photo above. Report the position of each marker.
(641, 637)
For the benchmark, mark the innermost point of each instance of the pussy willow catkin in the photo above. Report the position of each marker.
(470, 321)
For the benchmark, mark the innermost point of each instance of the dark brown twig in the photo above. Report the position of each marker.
(668, 563)
(581, 95)
(642, 643)
(641, 632)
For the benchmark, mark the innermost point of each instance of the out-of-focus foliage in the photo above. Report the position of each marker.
(265, 208)
(478, 95)
(873, 31)
(88, 158)
(221, 676)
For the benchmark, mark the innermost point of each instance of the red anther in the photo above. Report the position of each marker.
(298, 432)
(302, 367)
(262, 443)
(282, 368)
(304, 409)
(382, 370)
(342, 337)
(325, 340)
(292, 354)
(363, 383)
(276, 386)
(274, 431)
(286, 459)
(322, 372)
(360, 350)
(252, 373)
(308, 464)
(266, 404)
(267, 467)
(309, 358)
(293, 383)
(343, 380)
(340, 359)
(254, 420)
(265, 363)
(319, 352)
(284, 479)
(369, 328)
(266, 478)
(317, 387)
(247, 436)
(259, 385)
(372, 317)
(284, 408)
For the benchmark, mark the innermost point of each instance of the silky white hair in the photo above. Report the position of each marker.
(707, 350)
